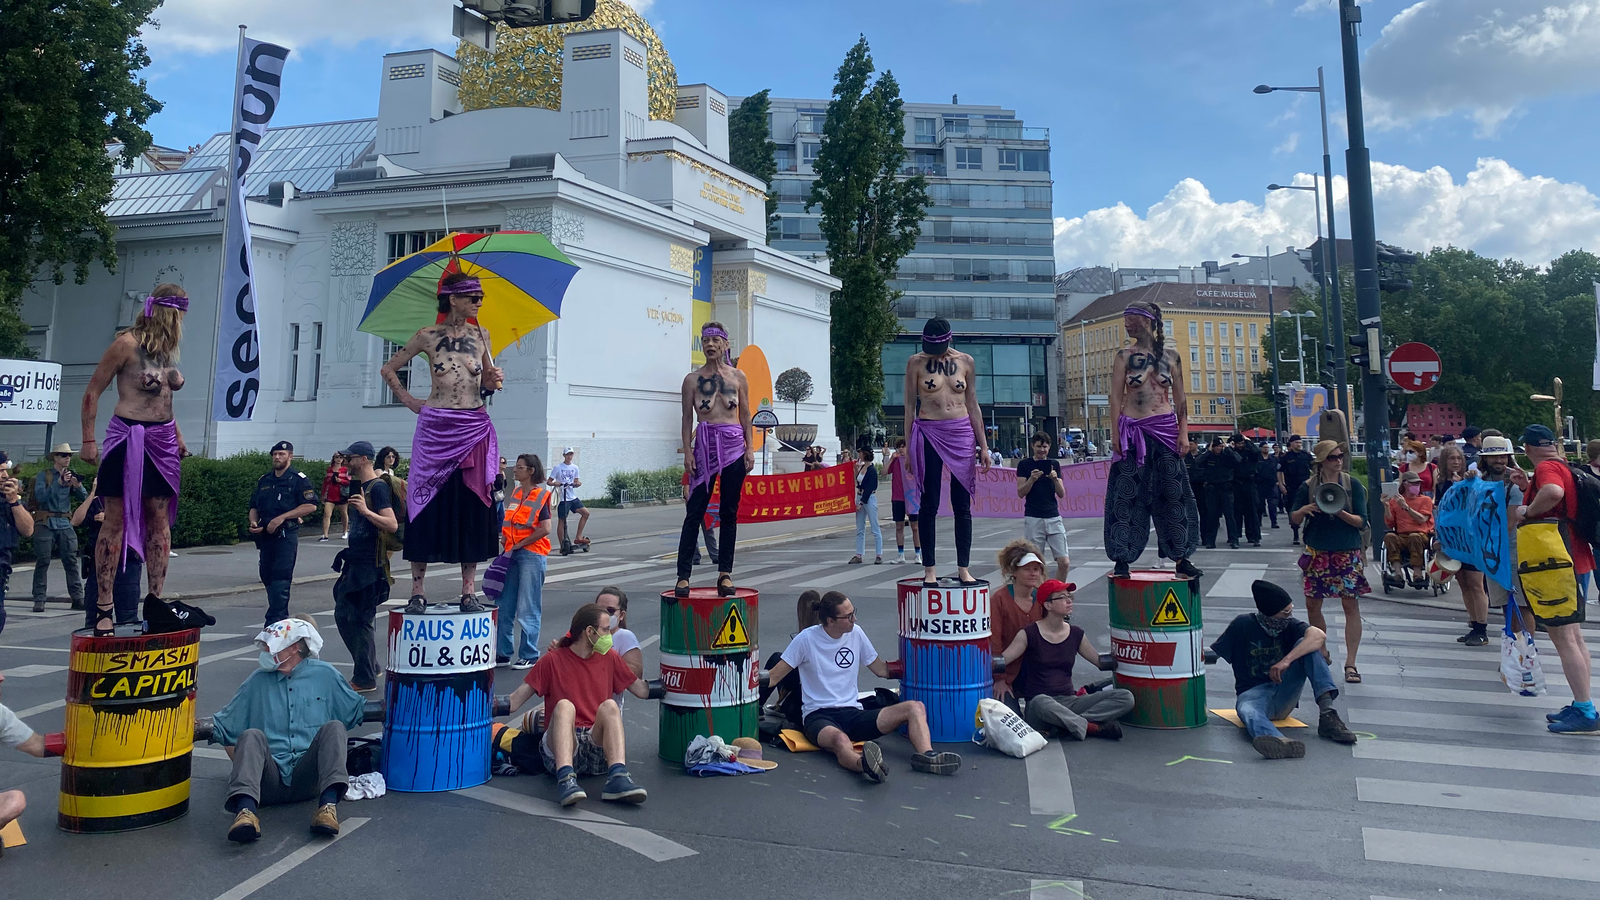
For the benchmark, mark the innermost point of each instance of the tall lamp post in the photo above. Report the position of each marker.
(1272, 330)
(1299, 339)
(1083, 351)
(1330, 249)
(1322, 283)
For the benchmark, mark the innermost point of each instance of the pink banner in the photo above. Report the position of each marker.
(997, 498)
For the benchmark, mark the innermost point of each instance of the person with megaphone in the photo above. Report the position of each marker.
(1332, 507)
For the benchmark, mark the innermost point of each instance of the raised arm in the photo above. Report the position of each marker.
(493, 377)
(391, 370)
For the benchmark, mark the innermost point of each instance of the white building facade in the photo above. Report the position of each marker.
(630, 200)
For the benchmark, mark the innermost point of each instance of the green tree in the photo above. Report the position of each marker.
(794, 386)
(750, 145)
(67, 91)
(871, 216)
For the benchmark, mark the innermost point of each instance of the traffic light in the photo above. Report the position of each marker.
(1366, 355)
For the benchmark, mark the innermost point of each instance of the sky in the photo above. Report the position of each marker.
(1481, 115)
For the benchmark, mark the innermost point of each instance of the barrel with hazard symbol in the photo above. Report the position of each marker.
(1156, 637)
(129, 731)
(944, 647)
(709, 669)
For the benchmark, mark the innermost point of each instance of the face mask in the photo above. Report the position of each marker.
(602, 645)
(266, 662)
(933, 349)
(1411, 457)
(1413, 489)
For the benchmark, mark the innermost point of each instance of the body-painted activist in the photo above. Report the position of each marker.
(716, 445)
(1150, 437)
(139, 464)
(453, 455)
(944, 427)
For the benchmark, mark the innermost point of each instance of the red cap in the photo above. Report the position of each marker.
(1052, 587)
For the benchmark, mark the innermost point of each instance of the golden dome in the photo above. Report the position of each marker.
(525, 68)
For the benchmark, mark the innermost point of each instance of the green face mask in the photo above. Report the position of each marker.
(602, 645)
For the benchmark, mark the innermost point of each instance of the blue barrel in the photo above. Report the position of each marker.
(944, 647)
(439, 696)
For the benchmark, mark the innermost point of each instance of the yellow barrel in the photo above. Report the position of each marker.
(129, 732)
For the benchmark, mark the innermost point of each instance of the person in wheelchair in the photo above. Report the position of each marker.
(1408, 516)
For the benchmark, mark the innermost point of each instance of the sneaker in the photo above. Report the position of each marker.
(1476, 639)
(323, 539)
(1274, 524)
(917, 557)
(363, 688)
(246, 827)
(872, 763)
(345, 536)
(417, 605)
(899, 559)
(502, 660)
(1120, 570)
(621, 789)
(1559, 714)
(1276, 747)
(1330, 726)
(570, 792)
(522, 663)
(877, 561)
(1188, 569)
(469, 603)
(854, 561)
(936, 762)
(326, 821)
(1111, 731)
(38, 606)
(1575, 722)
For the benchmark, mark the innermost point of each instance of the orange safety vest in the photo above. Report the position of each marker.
(521, 519)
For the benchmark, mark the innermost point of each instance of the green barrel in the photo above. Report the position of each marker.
(709, 668)
(1156, 637)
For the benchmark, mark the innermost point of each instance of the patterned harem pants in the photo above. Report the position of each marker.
(1159, 489)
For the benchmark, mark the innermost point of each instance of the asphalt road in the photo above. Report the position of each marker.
(1455, 790)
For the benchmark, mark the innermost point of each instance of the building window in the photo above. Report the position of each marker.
(1008, 161)
(1238, 357)
(1035, 160)
(1213, 406)
(1208, 333)
(405, 243)
(1255, 356)
(783, 158)
(1211, 358)
(1197, 404)
(386, 395)
(1238, 330)
(809, 151)
(926, 130)
(1194, 330)
(1194, 385)
(316, 359)
(294, 359)
(1194, 355)
(969, 157)
(1253, 332)
(811, 123)
(1227, 381)
(1211, 382)
(957, 125)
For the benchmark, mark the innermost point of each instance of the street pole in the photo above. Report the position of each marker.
(1330, 266)
(1364, 250)
(1272, 327)
(1083, 351)
(1322, 283)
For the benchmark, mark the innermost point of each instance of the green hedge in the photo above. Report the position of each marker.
(660, 483)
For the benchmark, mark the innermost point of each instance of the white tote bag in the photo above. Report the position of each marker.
(1005, 731)
(1519, 659)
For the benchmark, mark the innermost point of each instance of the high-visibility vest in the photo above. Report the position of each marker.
(522, 517)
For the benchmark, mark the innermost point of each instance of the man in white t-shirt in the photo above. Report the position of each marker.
(829, 658)
(15, 733)
(564, 478)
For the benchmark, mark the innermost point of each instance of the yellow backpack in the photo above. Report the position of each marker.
(1545, 570)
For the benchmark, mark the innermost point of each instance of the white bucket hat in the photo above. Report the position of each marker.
(278, 636)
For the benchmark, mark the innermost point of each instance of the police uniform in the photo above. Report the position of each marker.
(275, 495)
(1245, 494)
(1215, 471)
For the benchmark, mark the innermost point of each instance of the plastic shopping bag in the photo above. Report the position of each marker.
(1005, 731)
(1519, 659)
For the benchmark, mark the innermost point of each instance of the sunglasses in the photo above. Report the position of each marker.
(611, 609)
(1336, 456)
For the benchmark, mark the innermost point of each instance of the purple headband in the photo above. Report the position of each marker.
(465, 286)
(178, 303)
(1140, 311)
(938, 338)
(713, 331)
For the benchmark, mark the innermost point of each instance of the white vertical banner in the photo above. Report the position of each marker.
(238, 368)
(1596, 377)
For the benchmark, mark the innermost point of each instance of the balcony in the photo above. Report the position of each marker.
(934, 169)
(807, 129)
(976, 130)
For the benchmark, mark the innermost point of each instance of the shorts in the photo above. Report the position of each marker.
(1049, 534)
(587, 756)
(857, 724)
(568, 506)
(1334, 573)
(897, 508)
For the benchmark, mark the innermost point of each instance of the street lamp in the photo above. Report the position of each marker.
(1300, 340)
(1272, 329)
(1083, 351)
(1330, 250)
(1322, 283)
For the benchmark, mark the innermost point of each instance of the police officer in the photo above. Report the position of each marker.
(1244, 491)
(1215, 469)
(282, 496)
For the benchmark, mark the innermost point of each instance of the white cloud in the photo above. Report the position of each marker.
(210, 26)
(1290, 143)
(1480, 57)
(1497, 211)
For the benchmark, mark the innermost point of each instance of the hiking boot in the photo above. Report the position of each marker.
(1330, 726)
(1120, 570)
(417, 605)
(469, 603)
(621, 789)
(570, 792)
(872, 763)
(38, 606)
(326, 821)
(1573, 721)
(1276, 747)
(1111, 731)
(936, 762)
(246, 827)
(1188, 569)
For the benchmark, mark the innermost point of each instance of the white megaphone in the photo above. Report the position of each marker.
(1331, 497)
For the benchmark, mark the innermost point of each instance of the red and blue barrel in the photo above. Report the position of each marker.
(944, 647)
(709, 668)
(439, 695)
(1156, 636)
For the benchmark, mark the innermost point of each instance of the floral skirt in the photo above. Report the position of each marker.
(1331, 573)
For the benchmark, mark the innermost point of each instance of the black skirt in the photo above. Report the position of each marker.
(455, 527)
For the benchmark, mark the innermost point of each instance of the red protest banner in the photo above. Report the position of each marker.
(802, 495)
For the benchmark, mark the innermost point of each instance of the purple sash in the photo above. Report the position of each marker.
(447, 440)
(158, 443)
(716, 446)
(953, 440)
(1137, 432)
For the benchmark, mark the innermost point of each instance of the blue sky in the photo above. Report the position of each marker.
(1161, 153)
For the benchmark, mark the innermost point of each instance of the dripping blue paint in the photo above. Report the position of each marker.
(436, 731)
(949, 678)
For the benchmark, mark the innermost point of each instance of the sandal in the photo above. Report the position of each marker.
(725, 586)
(103, 623)
(1351, 676)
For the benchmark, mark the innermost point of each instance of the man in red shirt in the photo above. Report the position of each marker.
(1553, 494)
(583, 725)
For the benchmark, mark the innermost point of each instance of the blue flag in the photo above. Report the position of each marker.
(1472, 525)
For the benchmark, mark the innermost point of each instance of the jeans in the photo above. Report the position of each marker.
(522, 603)
(1262, 704)
(49, 542)
(278, 552)
(257, 776)
(867, 514)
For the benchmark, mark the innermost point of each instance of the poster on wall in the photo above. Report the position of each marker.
(30, 391)
(700, 302)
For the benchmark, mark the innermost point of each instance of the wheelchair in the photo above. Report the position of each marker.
(1432, 573)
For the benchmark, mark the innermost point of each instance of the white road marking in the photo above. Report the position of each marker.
(1049, 782)
(1480, 757)
(1480, 799)
(278, 869)
(1482, 854)
(1235, 580)
(1061, 889)
(1524, 727)
(649, 640)
(645, 843)
(207, 637)
(605, 570)
(1450, 674)
(793, 574)
(30, 671)
(40, 649)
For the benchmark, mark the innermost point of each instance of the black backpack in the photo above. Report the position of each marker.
(1587, 523)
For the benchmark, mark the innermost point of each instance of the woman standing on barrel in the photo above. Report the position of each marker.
(1149, 438)
(1332, 562)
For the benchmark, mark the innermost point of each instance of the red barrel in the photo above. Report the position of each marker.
(944, 647)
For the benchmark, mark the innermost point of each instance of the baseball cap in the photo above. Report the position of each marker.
(1470, 432)
(282, 445)
(361, 448)
(1052, 587)
(568, 450)
(1537, 436)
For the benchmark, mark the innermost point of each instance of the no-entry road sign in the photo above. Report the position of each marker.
(1415, 367)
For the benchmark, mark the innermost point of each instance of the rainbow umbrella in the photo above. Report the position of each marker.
(524, 278)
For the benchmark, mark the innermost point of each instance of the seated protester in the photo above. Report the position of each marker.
(1408, 520)
(829, 657)
(15, 733)
(583, 724)
(614, 601)
(1047, 649)
(1273, 655)
(286, 731)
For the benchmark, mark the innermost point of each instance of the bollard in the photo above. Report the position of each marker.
(439, 694)
(129, 731)
(944, 649)
(709, 671)
(1156, 637)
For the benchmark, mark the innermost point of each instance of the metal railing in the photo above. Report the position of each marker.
(934, 169)
(993, 131)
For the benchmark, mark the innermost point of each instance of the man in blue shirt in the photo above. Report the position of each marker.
(55, 490)
(286, 731)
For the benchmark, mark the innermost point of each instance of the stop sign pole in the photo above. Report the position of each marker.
(1414, 366)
